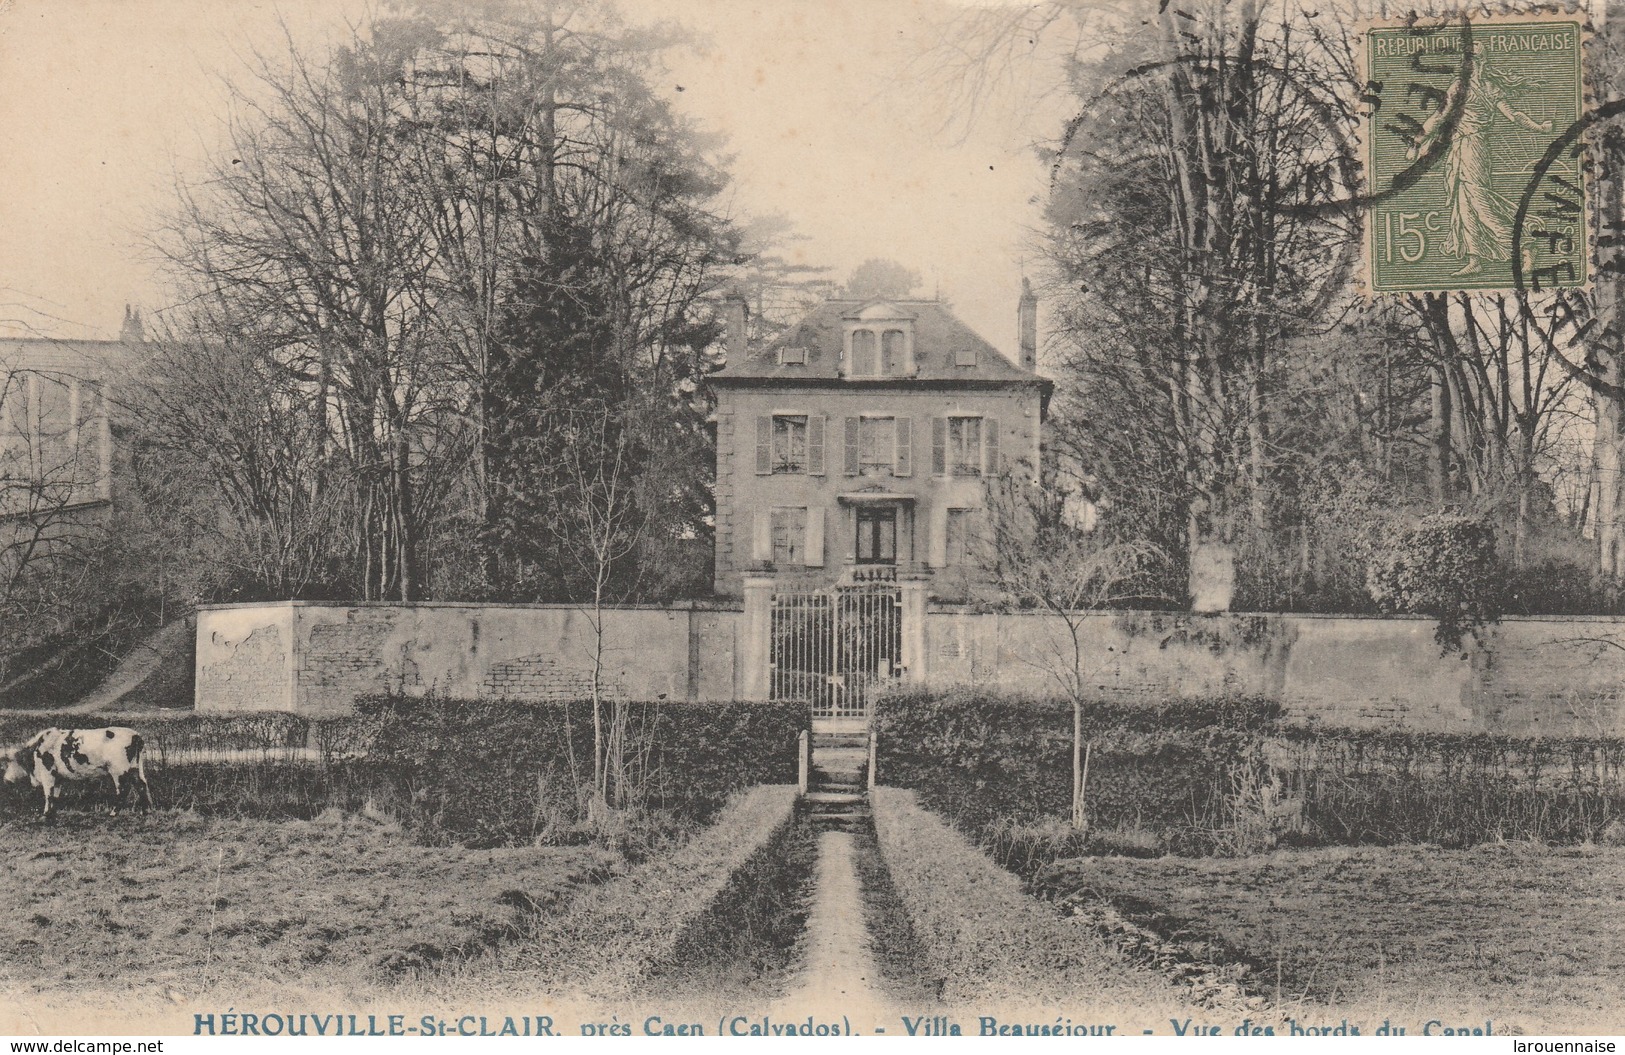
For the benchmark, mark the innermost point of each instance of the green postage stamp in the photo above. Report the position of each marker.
(1462, 115)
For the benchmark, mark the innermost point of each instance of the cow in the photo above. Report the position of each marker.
(58, 755)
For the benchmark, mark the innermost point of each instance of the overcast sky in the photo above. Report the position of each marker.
(823, 104)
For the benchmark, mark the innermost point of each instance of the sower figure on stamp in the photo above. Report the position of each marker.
(1480, 216)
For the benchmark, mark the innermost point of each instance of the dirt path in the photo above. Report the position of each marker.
(135, 668)
(838, 971)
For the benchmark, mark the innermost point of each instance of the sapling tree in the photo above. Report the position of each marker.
(1037, 554)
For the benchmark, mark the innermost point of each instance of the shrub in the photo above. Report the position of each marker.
(177, 735)
(1445, 567)
(1452, 789)
(982, 758)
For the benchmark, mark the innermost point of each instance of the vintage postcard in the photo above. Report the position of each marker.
(810, 518)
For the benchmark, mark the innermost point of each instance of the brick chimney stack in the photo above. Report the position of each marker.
(733, 329)
(1027, 326)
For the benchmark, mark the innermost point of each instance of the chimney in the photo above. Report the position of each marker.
(733, 328)
(1027, 326)
(132, 332)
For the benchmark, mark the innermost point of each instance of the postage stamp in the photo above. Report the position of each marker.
(1461, 115)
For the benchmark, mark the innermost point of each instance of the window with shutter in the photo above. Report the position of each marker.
(864, 362)
(939, 446)
(852, 446)
(877, 445)
(789, 534)
(789, 443)
(892, 353)
(904, 465)
(762, 536)
(957, 536)
(965, 456)
(990, 448)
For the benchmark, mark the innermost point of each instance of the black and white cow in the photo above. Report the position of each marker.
(58, 755)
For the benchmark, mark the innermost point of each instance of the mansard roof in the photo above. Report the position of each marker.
(938, 338)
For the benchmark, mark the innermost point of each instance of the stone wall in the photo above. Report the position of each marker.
(245, 658)
(1534, 676)
(318, 658)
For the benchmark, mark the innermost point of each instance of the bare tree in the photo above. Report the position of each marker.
(1502, 404)
(227, 464)
(391, 231)
(594, 499)
(1197, 244)
(55, 492)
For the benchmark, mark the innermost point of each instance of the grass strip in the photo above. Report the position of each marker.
(614, 937)
(982, 939)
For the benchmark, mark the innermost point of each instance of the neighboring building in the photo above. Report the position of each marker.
(854, 447)
(56, 437)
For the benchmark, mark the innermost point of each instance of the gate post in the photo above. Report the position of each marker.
(758, 643)
(913, 613)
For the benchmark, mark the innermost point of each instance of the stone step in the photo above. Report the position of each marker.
(841, 787)
(826, 766)
(840, 756)
(846, 821)
(842, 798)
(841, 740)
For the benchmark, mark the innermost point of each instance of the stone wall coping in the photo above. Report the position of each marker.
(935, 608)
(940, 608)
(675, 606)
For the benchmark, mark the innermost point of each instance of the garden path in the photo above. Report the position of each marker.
(838, 972)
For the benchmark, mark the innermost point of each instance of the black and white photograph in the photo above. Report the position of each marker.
(811, 518)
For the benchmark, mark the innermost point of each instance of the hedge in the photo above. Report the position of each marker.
(1229, 776)
(481, 772)
(991, 761)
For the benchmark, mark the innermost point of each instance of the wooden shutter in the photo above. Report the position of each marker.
(815, 445)
(814, 555)
(939, 446)
(762, 536)
(904, 465)
(764, 445)
(990, 446)
(938, 544)
(852, 446)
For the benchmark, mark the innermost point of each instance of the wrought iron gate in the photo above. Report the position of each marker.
(837, 647)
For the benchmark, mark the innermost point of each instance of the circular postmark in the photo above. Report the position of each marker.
(1285, 123)
(1556, 261)
(1170, 141)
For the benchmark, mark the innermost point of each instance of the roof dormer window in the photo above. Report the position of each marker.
(879, 342)
(861, 361)
(796, 356)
